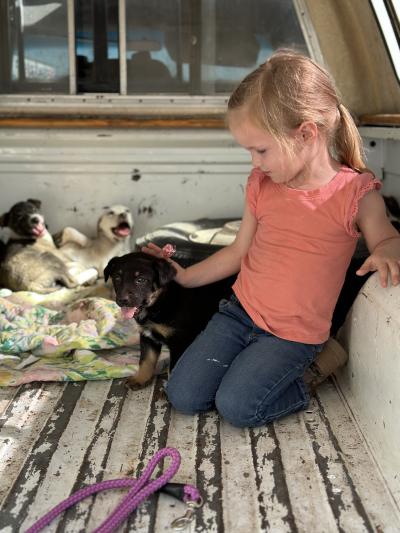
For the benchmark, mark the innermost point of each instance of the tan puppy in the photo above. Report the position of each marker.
(114, 230)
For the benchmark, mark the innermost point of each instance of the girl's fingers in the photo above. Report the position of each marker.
(394, 273)
(384, 268)
(383, 271)
(365, 268)
(152, 249)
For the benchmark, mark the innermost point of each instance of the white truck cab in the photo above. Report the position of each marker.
(123, 102)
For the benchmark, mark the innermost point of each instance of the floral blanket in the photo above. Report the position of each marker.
(68, 335)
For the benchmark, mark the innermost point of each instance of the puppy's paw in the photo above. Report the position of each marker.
(70, 235)
(58, 239)
(133, 384)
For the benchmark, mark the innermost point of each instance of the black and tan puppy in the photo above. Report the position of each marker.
(166, 312)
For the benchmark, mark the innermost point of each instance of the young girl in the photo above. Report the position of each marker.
(307, 197)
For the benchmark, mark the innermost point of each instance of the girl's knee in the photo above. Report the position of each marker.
(238, 411)
(182, 398)
(246, 412)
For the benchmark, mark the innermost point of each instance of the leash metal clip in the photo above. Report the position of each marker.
(179, 524)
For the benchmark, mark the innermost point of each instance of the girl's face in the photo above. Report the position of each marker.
(266, 153)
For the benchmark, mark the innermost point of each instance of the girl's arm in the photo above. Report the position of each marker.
(382, 239)
(220, 265)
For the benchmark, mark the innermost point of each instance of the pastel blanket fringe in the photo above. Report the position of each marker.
(67, 335)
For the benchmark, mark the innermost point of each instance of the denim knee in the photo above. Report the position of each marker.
(237, 410)
(183, 399)
(246, 412)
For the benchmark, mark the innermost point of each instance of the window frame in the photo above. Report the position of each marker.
(387, 13)
(121, 104)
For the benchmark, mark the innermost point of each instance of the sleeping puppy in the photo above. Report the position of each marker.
(30, 260)
(114, 231)
(166, 312)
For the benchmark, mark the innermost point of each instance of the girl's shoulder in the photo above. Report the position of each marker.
(255, 182)
(358, 181)
(357, 186)
(346, 182)
(257, 179)
(256, 176)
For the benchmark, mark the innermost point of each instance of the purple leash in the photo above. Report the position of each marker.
(140, 489)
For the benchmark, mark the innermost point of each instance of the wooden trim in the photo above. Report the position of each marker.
(140, 123)
(160, 123)
(384, 119)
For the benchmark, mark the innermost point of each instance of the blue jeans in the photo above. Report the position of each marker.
(251, 376)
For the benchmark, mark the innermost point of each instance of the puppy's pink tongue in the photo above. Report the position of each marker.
(128, 312)
(38, 229)
(123, 231)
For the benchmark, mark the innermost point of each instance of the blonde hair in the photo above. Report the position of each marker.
(289, 89)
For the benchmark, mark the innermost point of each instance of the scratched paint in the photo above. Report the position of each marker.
(370, 381)
(61, 168)
(308, 472)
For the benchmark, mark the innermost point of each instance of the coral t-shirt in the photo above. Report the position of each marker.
(291, 277)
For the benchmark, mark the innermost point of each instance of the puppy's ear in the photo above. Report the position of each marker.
(4, 220)
(110, 267)
(36, 203)
(166, 272)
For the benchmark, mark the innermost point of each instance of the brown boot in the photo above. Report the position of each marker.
(332, 357)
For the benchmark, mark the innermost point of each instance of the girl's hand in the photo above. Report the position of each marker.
(386, 260)
(156, 251)
(382, 239)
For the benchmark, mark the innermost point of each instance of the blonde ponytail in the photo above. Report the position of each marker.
(347, 142)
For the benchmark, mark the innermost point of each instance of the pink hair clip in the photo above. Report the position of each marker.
(168, 250)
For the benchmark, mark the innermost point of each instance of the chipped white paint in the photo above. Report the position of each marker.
(307, 493)
(366, 477)
(136, 168)
(269, 479)
(276, 511)
(67, 458)
(6, 396)
(238, 480)
(182, 432)
(343, 495)
(371, 378)
(295, 475)
(21, 427)
(141, 168)
(208, 473)
(124, 451)
(94, 463)
(152, 437)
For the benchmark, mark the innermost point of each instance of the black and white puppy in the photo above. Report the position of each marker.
(31, 261)
(25, 222)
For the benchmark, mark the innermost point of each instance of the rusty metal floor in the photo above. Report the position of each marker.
(310, 472)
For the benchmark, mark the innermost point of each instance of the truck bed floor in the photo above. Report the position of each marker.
(310, 472)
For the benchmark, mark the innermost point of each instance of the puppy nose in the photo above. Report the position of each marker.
(123, 302)
(35, 220)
